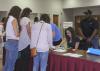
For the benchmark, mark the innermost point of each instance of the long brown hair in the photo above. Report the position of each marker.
(26, 12)
(15, 12)
(72, 32)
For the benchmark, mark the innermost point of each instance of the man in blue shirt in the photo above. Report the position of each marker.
(57, 36)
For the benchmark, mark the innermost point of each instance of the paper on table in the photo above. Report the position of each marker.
(60, 50)
(72, 55)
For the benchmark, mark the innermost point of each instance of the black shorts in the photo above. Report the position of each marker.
(55, 43)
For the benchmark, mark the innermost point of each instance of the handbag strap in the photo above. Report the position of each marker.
(39, 35)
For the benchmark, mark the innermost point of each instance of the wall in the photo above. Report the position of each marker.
(38, 6)
(68, 15)
(72, 8)
(80, 3)
(71, 13)
(3, 14)
(50, 6)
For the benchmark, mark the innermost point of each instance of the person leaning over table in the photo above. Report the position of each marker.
(74, 42)
(57, 36)
(42, 42)
(71, 38)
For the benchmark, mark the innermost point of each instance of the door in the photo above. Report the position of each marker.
(56, 19)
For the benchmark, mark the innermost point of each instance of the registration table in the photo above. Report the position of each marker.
(59, 62)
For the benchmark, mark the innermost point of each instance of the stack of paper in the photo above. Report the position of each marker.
(72, 55)
(60, 50)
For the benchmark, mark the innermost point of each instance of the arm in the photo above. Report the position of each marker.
(76, 46)
(80, 29)
(77, 42)
(95, 26)
(63, 41)
(4, 33)
(81, 33)
(15, 27)
(33, 49)
(32, 45)
(93, 34)
(53, 33)
(50, 36)
(28, 30)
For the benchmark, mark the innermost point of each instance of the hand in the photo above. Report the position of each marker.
(74, 49)
(52, 49)
(17, 34)
(57, 46)
(89, 40)
(33, 52)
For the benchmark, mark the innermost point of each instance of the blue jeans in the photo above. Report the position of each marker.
(11, 47)
(95, 42)
(40, 60)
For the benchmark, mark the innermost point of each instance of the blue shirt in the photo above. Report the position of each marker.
(57, 31)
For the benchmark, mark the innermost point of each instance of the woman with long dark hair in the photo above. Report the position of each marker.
(12, 37)
(24, 40)
(72, 39)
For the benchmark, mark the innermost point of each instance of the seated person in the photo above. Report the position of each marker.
(57, 36)
(72, 40)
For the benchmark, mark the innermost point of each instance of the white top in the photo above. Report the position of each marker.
(45, 39)
(24, 39)
(10, 34)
